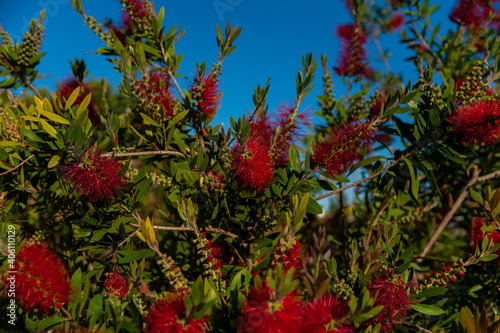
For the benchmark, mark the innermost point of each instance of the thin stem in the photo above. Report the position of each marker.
(444, 222)
(209, 229)
(415, 327)
(145, 153)
(17, 166)
(381, 52)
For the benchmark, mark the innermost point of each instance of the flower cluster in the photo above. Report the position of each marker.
(477, 122)
(287, 252)
(353, 57)
(42, 280)
(169, 315)
(390, 292)
(155, 94)
(214, 180)
(124, 30)
(265, 312)
(69, 85)
(95, 177)
(449, 272)
(173, 273)
(252, 165)
(211, 256)
(326, 315)
(347, 144)
(206, 95)
(477, 235)
(395, 22)
(116, 285)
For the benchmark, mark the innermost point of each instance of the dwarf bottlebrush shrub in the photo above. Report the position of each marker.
(138, 214)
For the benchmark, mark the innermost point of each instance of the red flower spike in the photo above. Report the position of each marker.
(252, 166)
(353, 59)
(169, 316)
(476, 235)
(261, 128)
(42, 279)
(395, 22)
(477, 122)
(324, 315)
(206, 94)
(117, 285)
(390, 292)
(346, 146)
(262, 314)
(68, 86)
(291, 124)
(96, 178)
(472, 13)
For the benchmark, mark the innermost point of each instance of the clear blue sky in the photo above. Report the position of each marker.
(275, 35)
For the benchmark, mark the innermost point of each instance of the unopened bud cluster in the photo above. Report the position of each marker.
(433, 93)
(342, 289)
(328, 103)
(287, 252)
(214, 181)
(8, 127)
(473, 88)
(140, 11)
(172, 273)
(449, 272)
(154, 95)
(32, 42)
(5, 38)
(209, 253)
(99, 30)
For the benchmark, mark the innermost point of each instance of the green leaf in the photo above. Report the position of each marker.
(129, 256)
(53, 161)
(54, 117)
(365, 162)
(313, 207)
(148, 120)
(427, 309)
(72, 98)
(468, 320)
(431, 292)
(488, 257)
(178, 117)
(293, 156)
(8, 83)
(49, 129)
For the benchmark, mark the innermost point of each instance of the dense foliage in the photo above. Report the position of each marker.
(145, 216)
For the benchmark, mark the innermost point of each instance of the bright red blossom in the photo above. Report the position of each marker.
(353, 59)
(156, 95)
(395, 22)
(324, 315)
(477, 122)
(96, 177)
(169, 316)
(291, 124)
(42, 280)
(288, 253)
(345, 146)
(472, 13)
(252, 165)
(116, 285)
(390, 292)
(260, 313)
(206, 93)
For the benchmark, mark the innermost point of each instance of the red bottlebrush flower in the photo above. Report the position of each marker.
(261, 127)
(138, 8)
(324, 315)
(96, 177)
(42, 280)
(472, 13)
(169, 316)
(116, 285)
(476, 234)
(395, 22)
(252, 165)
(477, 122)
(260, 313)
(206, 94)
(68, 86)
(291, 124)
(346, 145)
(353, 58)
(390, 292)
